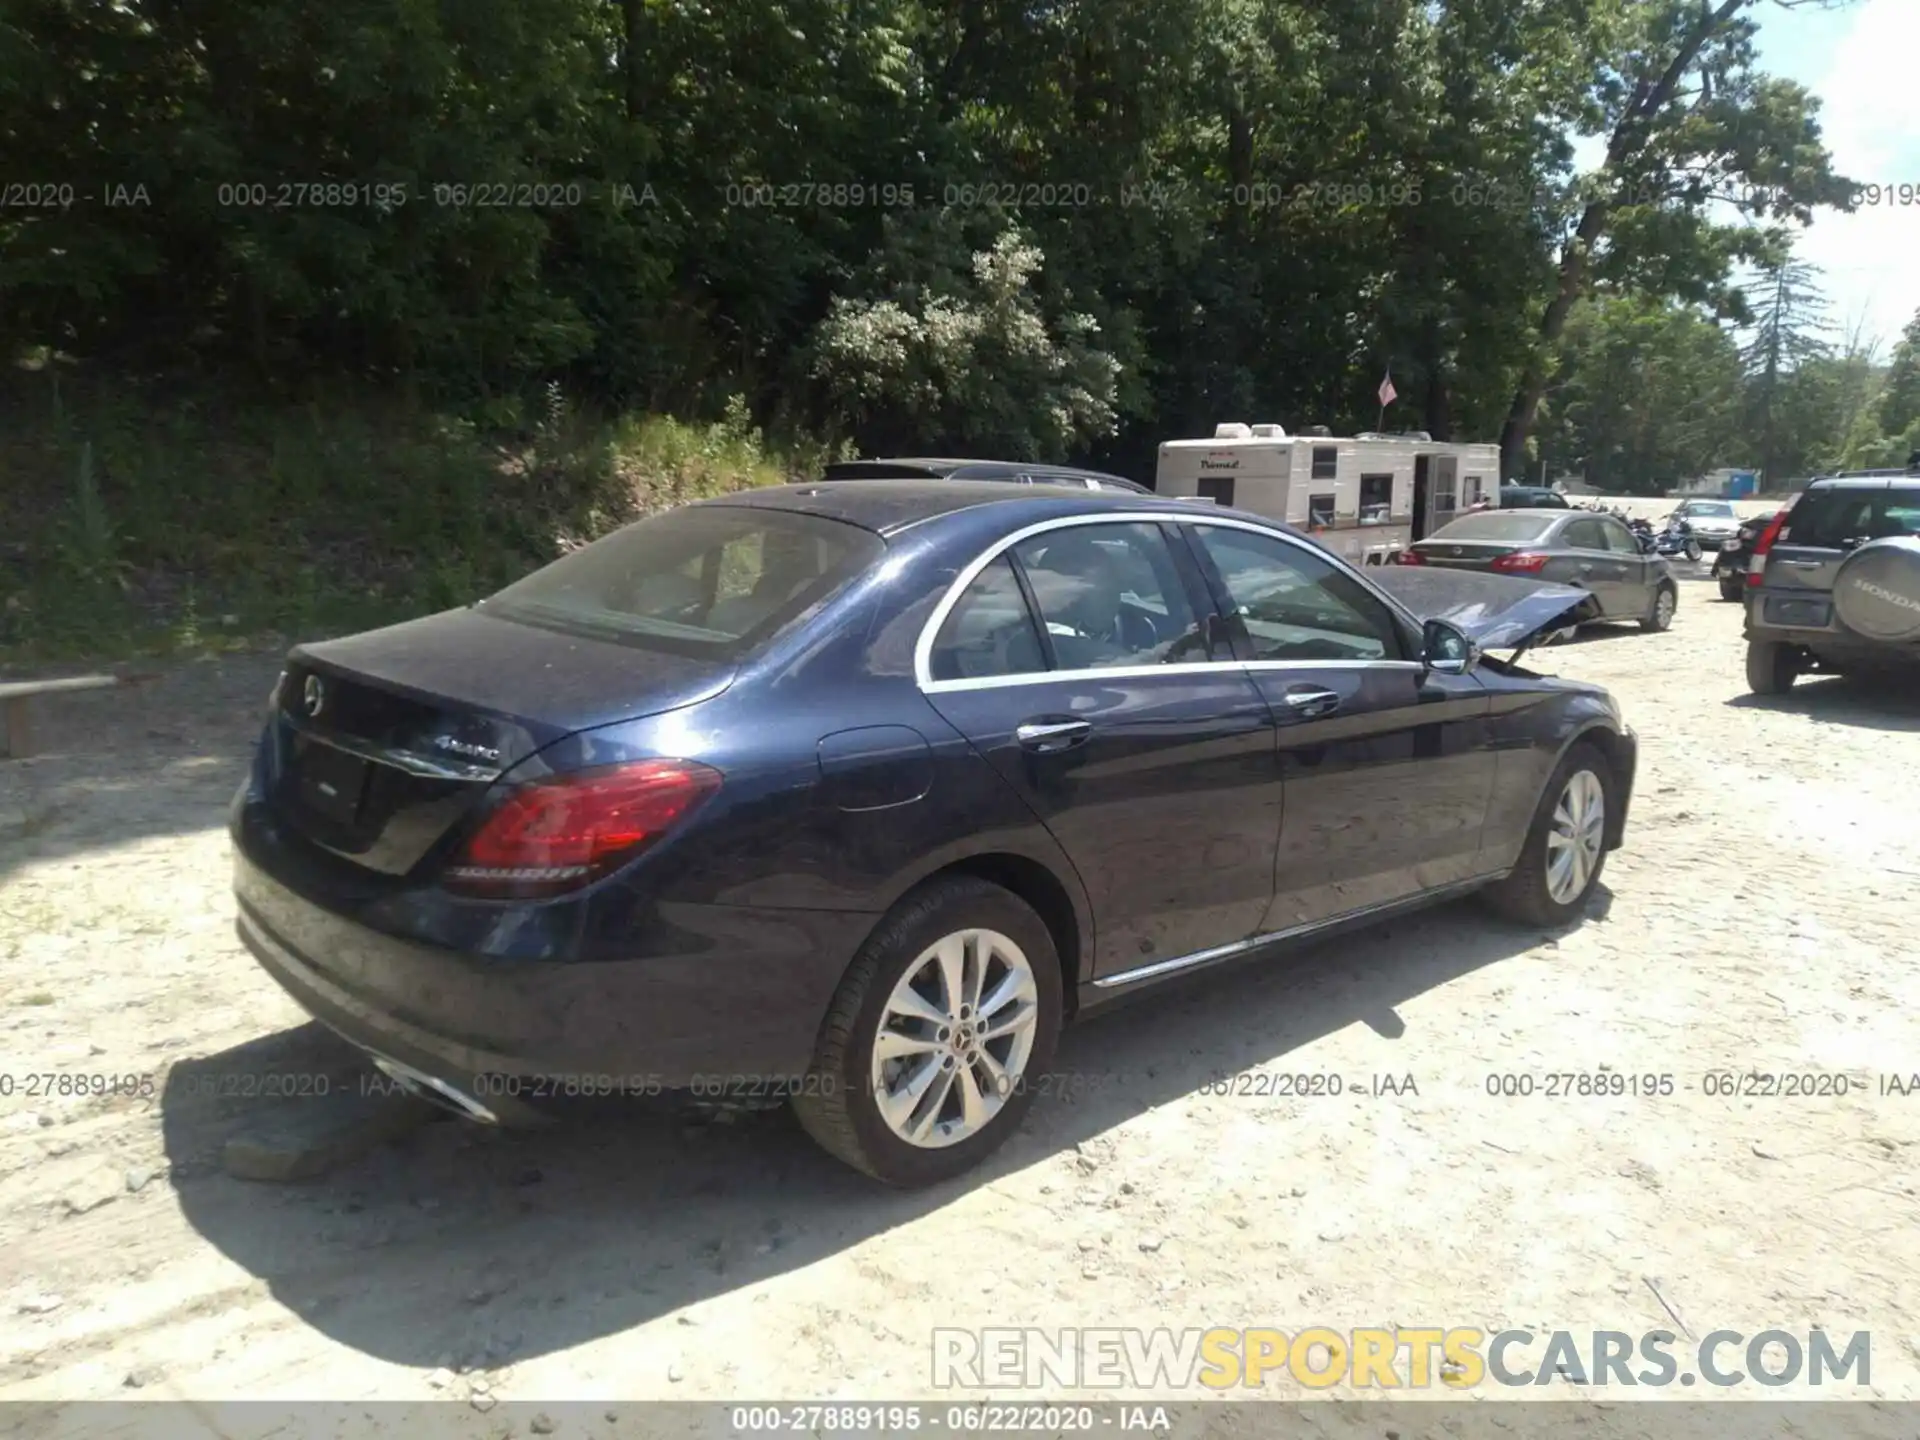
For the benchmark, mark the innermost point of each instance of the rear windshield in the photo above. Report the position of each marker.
(1832, 519)
(707, 580)
(1495, 526)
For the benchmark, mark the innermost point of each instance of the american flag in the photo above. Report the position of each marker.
(1387, 392)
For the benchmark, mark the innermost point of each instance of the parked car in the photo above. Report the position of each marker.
(1019, 472)
(1834, 583)
(1532, 497)
(1730, 565)
(1597, 553)
(1713, 522)
(852, 793)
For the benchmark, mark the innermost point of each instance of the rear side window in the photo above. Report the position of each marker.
(705, 580)
(1840, 517)
(989, 631)
(1110, 595)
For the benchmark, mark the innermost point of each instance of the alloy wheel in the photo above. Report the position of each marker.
(1663, 608)
(1575, 836)
(954, 1038)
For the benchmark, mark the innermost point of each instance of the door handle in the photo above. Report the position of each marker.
(1045, 737)
(1584, 569)
(1313, 702)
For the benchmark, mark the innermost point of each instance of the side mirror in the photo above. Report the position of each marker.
(1447, 649)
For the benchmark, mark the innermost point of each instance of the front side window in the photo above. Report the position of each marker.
(704, 580)
(1110, 595)
(1585, 535)
(1296, 605)
(1619, 538)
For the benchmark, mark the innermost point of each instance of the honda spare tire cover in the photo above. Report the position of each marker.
(1877, 590)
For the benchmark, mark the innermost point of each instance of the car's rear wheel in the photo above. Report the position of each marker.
(1566, 845)
(1732, 587)
(1665, 601)
(924, 1062)
(1771, 667)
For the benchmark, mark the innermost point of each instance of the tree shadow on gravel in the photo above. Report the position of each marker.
(461, 1245)
(1891, 703)
(126, 764)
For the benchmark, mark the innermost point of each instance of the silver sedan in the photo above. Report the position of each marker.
(1570, 547)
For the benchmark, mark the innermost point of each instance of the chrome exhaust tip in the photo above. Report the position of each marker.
(429, 1087)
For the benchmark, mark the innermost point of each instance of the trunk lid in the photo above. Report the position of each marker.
(1496, 612)
(384, 743)
(1466, 554)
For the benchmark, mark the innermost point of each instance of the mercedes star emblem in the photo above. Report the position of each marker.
(313, 696)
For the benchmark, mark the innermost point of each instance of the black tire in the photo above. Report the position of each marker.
(1655, 620)
(1732, 587)
(1694, 551)
(1771, 667)
(838, 1108)
(1523, 896)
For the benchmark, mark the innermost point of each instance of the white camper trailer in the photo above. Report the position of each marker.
(1367, 497)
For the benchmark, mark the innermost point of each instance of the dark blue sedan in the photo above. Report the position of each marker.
(852, 794)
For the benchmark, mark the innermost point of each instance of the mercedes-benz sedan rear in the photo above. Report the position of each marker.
(850, 795)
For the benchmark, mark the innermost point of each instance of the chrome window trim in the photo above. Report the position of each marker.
(923, 647)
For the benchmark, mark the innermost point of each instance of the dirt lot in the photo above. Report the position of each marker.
(1760, 919)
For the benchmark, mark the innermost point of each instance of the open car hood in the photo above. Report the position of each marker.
(1496, 612)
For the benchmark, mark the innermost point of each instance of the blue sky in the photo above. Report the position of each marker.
(1860, 60)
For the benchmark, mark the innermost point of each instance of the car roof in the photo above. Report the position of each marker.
(943, 466)
(889, 506)
(1881, 480)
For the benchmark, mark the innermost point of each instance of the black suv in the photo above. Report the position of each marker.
(1834, 583)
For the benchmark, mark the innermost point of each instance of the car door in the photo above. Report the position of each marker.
(1583, 559)
(1386, 767)
(1643, 571)
(1084, 662)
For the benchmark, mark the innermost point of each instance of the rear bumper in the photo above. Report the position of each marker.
(1830, 642)
(735, 1010)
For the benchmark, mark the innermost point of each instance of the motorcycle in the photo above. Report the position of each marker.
(1731, 564)
(1676, 539)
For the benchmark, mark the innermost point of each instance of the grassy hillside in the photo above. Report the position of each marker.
(142, 522)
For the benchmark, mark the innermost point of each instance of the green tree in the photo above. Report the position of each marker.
(1789, 331)
(1648, 395)
(1688, 120)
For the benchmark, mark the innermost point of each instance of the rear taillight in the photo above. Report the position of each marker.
(560, 834)
(1408, 557)
(1758, 562)
(1526, 562)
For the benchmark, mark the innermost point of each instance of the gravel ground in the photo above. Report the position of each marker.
(1759, 920)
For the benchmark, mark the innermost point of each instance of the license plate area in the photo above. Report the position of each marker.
(332, 783)
(1809, 614)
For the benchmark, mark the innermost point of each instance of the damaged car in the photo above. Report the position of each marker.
(850, 795)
